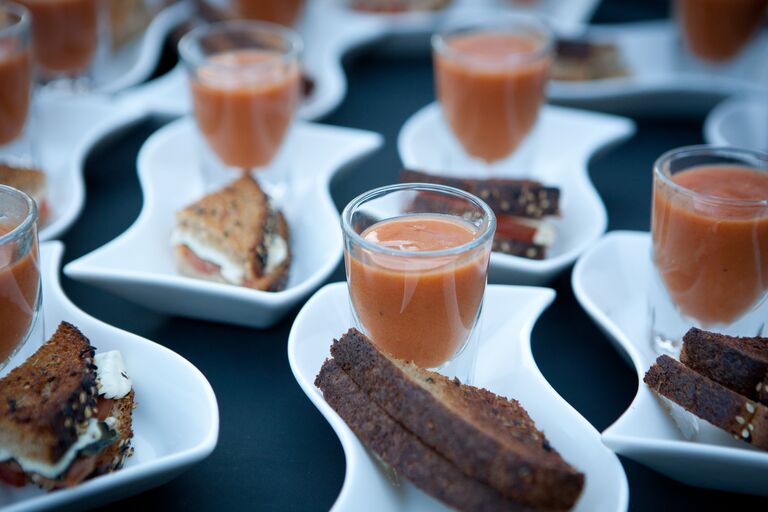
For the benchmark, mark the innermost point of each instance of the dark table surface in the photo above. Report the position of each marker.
(275, 451)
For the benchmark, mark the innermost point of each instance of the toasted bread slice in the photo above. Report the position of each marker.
(32, 182)
(521, 198)
(741, 417)
(738, 363)
(487, 436)
(234, 236)
(114, 456)
(403, 451)
(45, 402)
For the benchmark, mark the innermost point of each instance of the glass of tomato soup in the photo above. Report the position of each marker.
(710, 243)
(490, 78)
(20, 316)
(246, 85)
(717, 30)
(417, 258)
(284, 12)
(15, 84)
(66, 35)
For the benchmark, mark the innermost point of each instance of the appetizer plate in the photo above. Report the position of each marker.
(741, 121)
(327, 37)
(139, 264)
(662, 78)
(610, 281)
(504, 365)
(65, 127)
(425, 143)
(135, 61)
(166, 386)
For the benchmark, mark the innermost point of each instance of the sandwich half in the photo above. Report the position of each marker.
(65, 414)
(32, 182)
(234, 235)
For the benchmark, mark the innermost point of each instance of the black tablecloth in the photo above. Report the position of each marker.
(275, 450)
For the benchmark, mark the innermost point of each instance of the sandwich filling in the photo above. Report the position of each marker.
(95, 434)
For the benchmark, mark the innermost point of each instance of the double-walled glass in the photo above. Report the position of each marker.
(417, 261)
(15, 84)
(246, 85)
(491, 77)
(710, 243)
(19, 273)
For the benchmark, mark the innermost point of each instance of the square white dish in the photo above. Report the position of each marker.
(425, 143)
(610, 282)
(504, 365)
(662, 80)
(139, 264)
(167, 387)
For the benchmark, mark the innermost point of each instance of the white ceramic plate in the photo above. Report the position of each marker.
(504, 365)
(166, 386)
(662, 80)
(610, 281)
(327, 36)
(741, 121)
(65, 128)
(426, 143)
(135, 61)
(139, 264)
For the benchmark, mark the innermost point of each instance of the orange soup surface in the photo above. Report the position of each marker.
(716, 30)
(243, 101)
(15, 92)
(64, 33)
(713, 257)
(418, 308)
(284, 12)
(19, 286)
(491, 90)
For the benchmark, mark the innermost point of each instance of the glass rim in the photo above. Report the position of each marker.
(661, 167)
(191, 39)
(29, 219)
(20, 25)
(439, 40)
(486, 230)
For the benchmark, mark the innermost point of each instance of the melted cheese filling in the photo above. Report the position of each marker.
(229, 270)
(111, 375)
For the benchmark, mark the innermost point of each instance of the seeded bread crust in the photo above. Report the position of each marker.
(740, 364)
(743, 418)
(487, 436)
(403, 451)
(45, 402)
(113, 457)
(522, 198)
(518, 248)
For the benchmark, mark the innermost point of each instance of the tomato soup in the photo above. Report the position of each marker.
(716, 30)
(712, 255)
(418, 308)
(243, 102)
(64, 33)
(284, 12)
(19, 288)
(491, 87)
(15, 92)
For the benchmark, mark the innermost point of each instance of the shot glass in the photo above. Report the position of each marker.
(67, 35)
(246, 85)
(710, 244)
(490, 77)
(20, 296)
(15, 85)
(416, 259)
(716, 31)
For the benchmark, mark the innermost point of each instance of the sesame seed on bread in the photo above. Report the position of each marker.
(404, 451)
(738, 415)
(46, 401)
(488, 437)
(738, 363)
